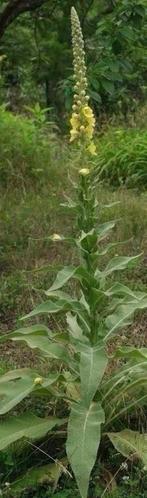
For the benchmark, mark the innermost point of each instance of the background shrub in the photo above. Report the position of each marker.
(27, 149)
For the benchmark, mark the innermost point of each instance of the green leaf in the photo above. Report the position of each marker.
(87, 240)
(62, 278)
(108, 86)
(93, 363)
(123, 315)
(120, 263)
(17, 384)
(108, 247)
(102, 230)
(47, 307)
(131, 444)
(119, 289)
(83, 441)
(95, 96)
(136, 354)
(66, 274)
(14, 387)
(25, 426)
(43, 344)
(35, 331)
(51, 307)
(49, 473)
(36, 337)
(74, 329)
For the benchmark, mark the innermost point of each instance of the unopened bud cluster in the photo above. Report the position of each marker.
(82, 120)
(80, 97)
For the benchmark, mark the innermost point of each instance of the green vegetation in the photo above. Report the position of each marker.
(73, 374)
(37, 62)
(31, 152)
(122, 157)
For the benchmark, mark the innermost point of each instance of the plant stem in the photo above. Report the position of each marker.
(86, 223)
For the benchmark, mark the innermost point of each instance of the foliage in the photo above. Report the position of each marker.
(37, 66)
(118, 73)
(27, 147)
(122, 156)
(95, 310)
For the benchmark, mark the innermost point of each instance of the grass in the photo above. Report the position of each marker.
(122, 155)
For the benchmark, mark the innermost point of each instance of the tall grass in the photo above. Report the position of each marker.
(122, 156)
(28, 153)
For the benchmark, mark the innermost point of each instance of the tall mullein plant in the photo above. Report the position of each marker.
(99, 309)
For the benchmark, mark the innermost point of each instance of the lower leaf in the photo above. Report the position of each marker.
(131, 444)
(45, 474)
(25, 426)
(83, 441)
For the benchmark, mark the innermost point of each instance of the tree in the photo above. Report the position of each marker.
(13, 8)
(37, 63)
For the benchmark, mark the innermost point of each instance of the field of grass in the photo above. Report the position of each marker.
(31, 211)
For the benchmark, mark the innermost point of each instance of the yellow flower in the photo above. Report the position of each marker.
(84, 171)
(89, 132)
(56, 237)
(92, 149)
(73, 135)
(38, 380)
(74, 120)
(87, 111)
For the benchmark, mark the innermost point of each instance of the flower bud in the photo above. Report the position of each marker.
(56, 237)
(84, 172)
(38, 381)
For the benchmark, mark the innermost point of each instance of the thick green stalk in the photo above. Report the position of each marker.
(86, 223)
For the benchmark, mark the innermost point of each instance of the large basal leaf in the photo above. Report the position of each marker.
(14, 387)
(17, 384)
(131, 444)
(84, 432)
(123, 315)
(26, 426)
(120, 263)
(93, 363)
(49, 473)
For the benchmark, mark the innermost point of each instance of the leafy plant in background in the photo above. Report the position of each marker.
(117, 56)
(27, 147)
(96, 311)
(38, 67)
